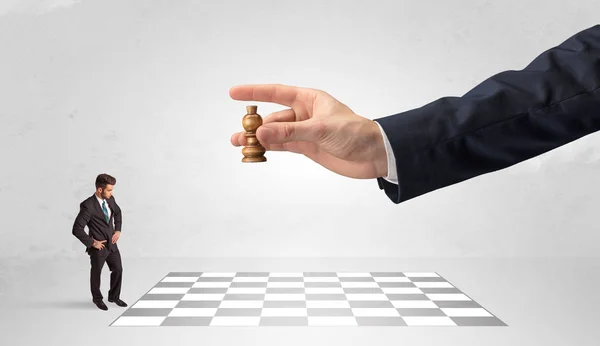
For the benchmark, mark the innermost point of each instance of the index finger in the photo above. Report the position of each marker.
(275, 93)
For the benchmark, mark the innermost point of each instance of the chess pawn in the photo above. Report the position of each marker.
(253, 151)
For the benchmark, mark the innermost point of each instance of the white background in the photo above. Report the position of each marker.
(139, 90)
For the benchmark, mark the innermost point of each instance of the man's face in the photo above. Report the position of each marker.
(107, 192)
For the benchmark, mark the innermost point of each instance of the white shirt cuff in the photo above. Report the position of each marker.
(392, 175)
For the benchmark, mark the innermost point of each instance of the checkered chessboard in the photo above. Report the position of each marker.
(305, 299)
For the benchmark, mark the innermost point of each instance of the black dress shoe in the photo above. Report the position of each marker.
(101, 305)
(117, 301)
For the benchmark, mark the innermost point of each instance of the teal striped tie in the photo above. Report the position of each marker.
(105, 211)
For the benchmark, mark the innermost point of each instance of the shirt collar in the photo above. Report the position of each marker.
(99, 199)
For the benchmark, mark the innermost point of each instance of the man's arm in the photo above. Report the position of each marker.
(118, 216)
(81, 221)
(508, 118)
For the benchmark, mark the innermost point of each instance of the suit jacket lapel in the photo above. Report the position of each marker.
(99, 209)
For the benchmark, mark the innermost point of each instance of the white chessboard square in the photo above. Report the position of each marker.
(434, 284)
(251, 279)
(235, 321)
(428, 321)
(392, 279)
(321, 279)
(246, 290)
(414, 304)
(324, 290)
(285, 296)
(211, 284)
(327, 304)
(421, 275)
(217, 275)
(240, 304)
(180, 279)
(366, 296)
(285, 284)
(359, 284)
(401, 290)
(155, 304)
(447, 296)
(169, 290)
(203, 296)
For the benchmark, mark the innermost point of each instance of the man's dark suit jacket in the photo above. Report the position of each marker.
(508, 118)
(91, 215)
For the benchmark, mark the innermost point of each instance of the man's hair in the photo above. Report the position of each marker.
(104, 179)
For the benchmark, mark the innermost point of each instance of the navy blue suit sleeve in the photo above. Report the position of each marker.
(508, 118)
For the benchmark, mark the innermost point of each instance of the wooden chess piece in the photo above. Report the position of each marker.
(253, 151)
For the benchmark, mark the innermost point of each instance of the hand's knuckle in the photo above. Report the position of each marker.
(288, 131)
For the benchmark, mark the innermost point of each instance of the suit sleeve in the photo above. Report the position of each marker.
(118, 216)
(508, 118)
(81, 221)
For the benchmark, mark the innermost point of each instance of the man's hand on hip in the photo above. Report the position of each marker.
(116, 236)
(98, 244)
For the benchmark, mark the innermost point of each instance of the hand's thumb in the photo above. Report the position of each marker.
(283, 132)
(104, 241)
